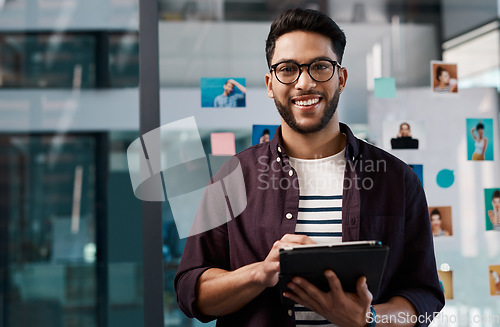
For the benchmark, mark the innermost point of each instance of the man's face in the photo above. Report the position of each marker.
(306, 106)
(405, 130)
(496, 204)
(228, 88)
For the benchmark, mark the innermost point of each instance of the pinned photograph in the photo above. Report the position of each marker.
(446, 281)
(223, 92)
(404, 135)
(263, 133)
(444, 77)
(494, 272)
(441, 221)
(419, 171)
(480, 139)
(492, 208)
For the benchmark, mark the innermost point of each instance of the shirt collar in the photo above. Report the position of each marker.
(351, 153)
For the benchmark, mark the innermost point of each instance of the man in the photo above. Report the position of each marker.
(230, 273)
(265, 136)
(229, 98)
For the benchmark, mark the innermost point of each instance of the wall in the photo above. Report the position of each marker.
(471, 249)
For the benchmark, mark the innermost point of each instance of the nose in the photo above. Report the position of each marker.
(305, 82)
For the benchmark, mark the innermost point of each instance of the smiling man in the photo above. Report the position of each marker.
(313, 182)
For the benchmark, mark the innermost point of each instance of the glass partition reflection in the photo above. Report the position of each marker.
(49, 207)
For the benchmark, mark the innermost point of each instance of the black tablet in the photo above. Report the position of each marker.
(349, 261)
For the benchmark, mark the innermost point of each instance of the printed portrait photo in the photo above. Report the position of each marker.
(408, 134)
(494, 272)
(492, 208)
(446, 281)
(444, 77)
(479, 139)
(441, 221)
(262, 133)
(419, 171)
(223, 92)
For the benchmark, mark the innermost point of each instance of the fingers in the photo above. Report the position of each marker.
(334, 282)
(305, 294)
(365, 296)
(297, 239)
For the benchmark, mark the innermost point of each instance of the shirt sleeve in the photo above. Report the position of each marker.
(202, 252)
(416, 278)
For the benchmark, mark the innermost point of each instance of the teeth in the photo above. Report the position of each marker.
(308, 102)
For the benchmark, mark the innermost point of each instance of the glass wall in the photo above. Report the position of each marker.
(81, 60)
(50, 199)
(70, 225)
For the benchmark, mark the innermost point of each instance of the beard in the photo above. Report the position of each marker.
(330, 109)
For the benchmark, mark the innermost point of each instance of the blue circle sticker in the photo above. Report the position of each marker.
(445, 178)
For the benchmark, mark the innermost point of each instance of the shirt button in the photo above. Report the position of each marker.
(288, 216)
(278, 159)
(279, 149)
(290, 312)
(290, 172)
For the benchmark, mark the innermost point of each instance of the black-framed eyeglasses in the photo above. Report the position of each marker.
(288, 72)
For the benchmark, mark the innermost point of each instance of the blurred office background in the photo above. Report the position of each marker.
(70, 226)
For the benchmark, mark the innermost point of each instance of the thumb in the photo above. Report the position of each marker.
(365, 296)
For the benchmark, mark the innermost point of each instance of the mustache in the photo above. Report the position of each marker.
(307, 93)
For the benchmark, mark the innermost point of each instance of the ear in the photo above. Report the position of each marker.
(269, 84)
(342, 78)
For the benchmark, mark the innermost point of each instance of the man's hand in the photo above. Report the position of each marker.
(337, 306)
(270, 267)
(221, 292)
(238, 85)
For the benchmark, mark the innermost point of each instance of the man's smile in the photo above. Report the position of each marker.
(306, 101)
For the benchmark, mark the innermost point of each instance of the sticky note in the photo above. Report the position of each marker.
(385, 87)
(223, 144)
(445, 178)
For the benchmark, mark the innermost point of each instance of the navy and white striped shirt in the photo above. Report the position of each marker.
(320, 211)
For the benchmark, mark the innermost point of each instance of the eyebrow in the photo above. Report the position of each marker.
(314, 59)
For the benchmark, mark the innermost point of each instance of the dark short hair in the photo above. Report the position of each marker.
(496, 194)
(480, 126)
(306, 20)
(265, 131)
(439, 71)
(436, 212)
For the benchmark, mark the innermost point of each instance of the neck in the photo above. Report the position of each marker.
(321, 144)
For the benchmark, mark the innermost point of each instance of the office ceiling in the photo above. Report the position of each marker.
(417, 11)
